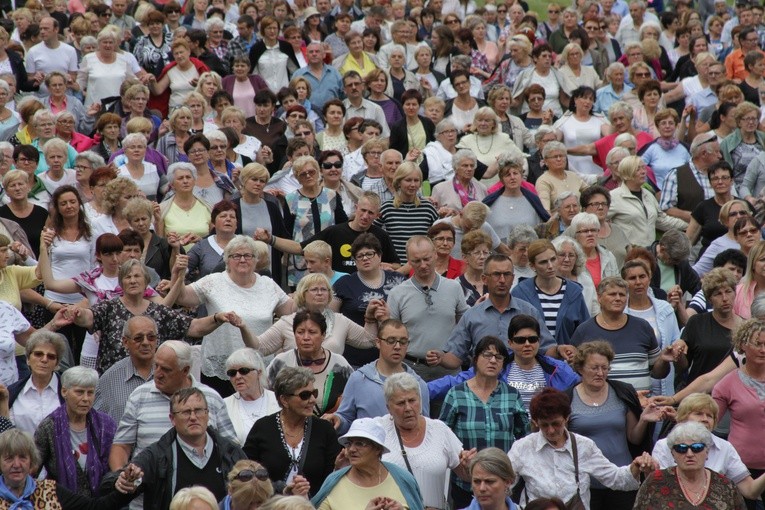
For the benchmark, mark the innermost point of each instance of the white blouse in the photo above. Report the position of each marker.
(272, 67)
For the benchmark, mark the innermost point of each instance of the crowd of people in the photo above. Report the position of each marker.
(420, 254)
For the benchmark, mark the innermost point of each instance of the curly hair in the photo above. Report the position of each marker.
(745, 332)
(114, 190)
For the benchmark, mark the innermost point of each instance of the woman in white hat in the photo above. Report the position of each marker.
(368, 479)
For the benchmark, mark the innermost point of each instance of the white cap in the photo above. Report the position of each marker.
(366, 428)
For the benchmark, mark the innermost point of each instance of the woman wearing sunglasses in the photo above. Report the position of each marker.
(251, 400)
(297, 448)
(331, 163)
(248, 486)
(689, 484)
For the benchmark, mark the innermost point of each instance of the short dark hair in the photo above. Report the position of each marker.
(335, 102)
(28, 151)
(264, 96)
(647, 87)
(197, 35)
(538, 50)
(222, 206)
(130, 237)
(247, 20)
(296, 143)
(198, 138)
(307, 315)
(221, 94)
(590, 192)
(485, 343)
(411, 94)
(455, 74)
(522, 321)
(731, 255)
(366, 240)
(720, 165)
(548, 404)
(184, 394)
(545, 504)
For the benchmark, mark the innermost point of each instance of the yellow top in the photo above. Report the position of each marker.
(15, 278)
(350, 64)
(346, 491)
(195, 221)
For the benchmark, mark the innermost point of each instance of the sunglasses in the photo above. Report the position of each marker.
(520, 340)
(243, 371)
(682, 448)
(327, 165)
(306, 394)
(47, 355)
(311, 362)
(246, 475)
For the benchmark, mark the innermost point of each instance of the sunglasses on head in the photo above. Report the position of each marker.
(246, 475)
(243, 370)
(306, 394)
(682, 448)
(327, 165)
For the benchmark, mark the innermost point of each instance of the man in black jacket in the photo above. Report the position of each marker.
(191, 453)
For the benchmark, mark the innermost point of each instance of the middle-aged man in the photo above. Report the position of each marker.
(326, 82)
(491, 317)
(50, 55)
(688, 185)
(139, 337)
(430, 306)
(145, 419)
(357, 106)
(242, 43)
(190, 453)
(363, 396)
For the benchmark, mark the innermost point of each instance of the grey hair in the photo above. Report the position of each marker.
(128, 266)
(398, 383)
(398, 48)
(55, 143)
(83, 377)
(584, 219)
(542, 131)
(136, 318)
(290, 379)
(551, 147)
(624, 137)
(562, 240)
(6, 145)
(250, 358)
(216, 134)
(17, 442)
(134, 137)
(616, 66)
(213, 23)
(180, 166)
(562, 198)
(620, 107)
(521, 234)
(758, 306)
(639, 3)
(182, 352)
(95, 160)
(42, 337)
(463, 61)
(444, 125)
(675, 245)
(259, 249)
(88, 40)
(689, 431)
(463, 154)
(4, 85)
(495, 462)
(106, 33)
(60, 115)
(616, 152)
(508, 158)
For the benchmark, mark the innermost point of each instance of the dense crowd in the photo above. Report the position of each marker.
(285, 254)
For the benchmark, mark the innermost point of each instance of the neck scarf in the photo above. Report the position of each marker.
(667, 145)
(466, 195)
(24, 502)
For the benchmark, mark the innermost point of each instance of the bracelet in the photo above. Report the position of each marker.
(215, 319)
(50, 303)
(272, 240)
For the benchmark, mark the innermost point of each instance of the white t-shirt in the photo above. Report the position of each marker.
(180, 84)
(103, 80)
(69, 177)
(47, 60)
(68, 259)
(11, 323)
(149, 181)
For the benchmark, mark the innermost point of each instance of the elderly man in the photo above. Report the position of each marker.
(190, 453)
(363, 396)
(686, 186)
(326, 82)
(145, 420)
(139, 337)
(390, 161)
(429, 305)
(399, 31)
(629, 28)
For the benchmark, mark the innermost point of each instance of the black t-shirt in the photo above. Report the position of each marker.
(707, 214)
(708, 344)
(340, 238)
(32, 225)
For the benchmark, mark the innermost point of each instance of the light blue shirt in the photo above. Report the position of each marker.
(330, 86)
(605, 97)
(662, 161)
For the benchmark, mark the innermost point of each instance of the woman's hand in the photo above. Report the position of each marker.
(466, 456)
(164, 128)
(174, 240)
(47, 236)
(129, 480)
(652, 413)
(190, 238)
(644, 464)
(180, 266)
(674, 296)
(20, 250)
(230, 317)
(265, 155)
(299, 487)
(679, 347)
(412, 155)
(383, 503)
(262, 234)
(93, 109)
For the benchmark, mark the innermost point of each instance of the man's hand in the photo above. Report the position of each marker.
(129, 480)
(333, 419)
(433, 358)
(566, 352)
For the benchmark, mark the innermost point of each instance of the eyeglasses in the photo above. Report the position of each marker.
(327, 165)
(354, 84)
(748, 231)
(481, 253)
(366, 255)
(197, 151)
(452, 21)
(218, 148)
(500, 274)
(246, 475)
(173, 11)
(720, 178)
(242, 256)
(682, 448)
(443, 239)
(587, 231)
(46, 355)
(597, 205)
(139, 338)
(301, 134)
(598, 368)
(82, 167)
(492, 355)
(242, 371)
(105, 14)
(501, 11)
(392, 340)
(642, 75)
(520, 340)
(199, 411)
(318, 290)
(307, 173)
(750, 119)
(567, 255)
(306, 394)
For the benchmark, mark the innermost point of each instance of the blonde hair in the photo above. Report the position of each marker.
(403, 171)
(184, 497)
(306, 283)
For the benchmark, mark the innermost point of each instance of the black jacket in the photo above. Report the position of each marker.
(20, 72)
(399, 137)
(156, 461)
(259, 48)
(685, 276)
(277, 229)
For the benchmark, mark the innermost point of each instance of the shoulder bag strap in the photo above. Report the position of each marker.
(403, 451)
(576, 460)
(304, 450)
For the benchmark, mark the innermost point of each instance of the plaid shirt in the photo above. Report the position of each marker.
(669, 187)
(498, 422)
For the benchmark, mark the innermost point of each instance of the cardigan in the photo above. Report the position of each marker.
(259, 48)
(256, 81)
(399, 136)
(277, 229)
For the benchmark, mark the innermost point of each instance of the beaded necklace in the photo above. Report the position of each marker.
(294, 460)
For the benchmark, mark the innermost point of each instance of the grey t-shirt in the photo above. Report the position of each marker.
(507, 212)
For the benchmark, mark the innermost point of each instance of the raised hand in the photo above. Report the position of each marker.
(299, 486)
(47, 236)
(181, 264)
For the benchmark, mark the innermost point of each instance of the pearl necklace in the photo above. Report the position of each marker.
(693, 497)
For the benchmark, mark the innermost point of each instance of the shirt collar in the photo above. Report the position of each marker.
(192, 452)
(53, 384)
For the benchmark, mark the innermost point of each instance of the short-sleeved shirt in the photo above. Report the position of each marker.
(13, 279)
(708, 341)
(341, 237)
(11, 324)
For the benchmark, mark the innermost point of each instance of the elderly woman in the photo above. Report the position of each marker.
(58, 173)
(488, 141)
(19, 488)
(254, 297)
(565, 207)
(456, 192)
(251, 399)
(176, 80)
(579, 126)
(144, 174)
(59, 100)
(157, 254)
(437, 157)
(102, 72)
(182, 212)
(152, 51)
(76, 430)
(667, 152)
(135, 103)
(609, 412)
(331, 370)
(117, 194)
(689, 483)
(730, 212)
(500, 98)
(427, 448)
(639, 218)
(211, 186)
(484, 390)
(386, 484)
(571, 267)
(9, 119)
(443, 236)
(400, 79)
(705, 219)
(597, 200)
(558, 88)
(297, 448)
(23, 210)
(356, 59)
(723, 458)
(743, 145)
(171, 144)
(578, 74)
(556, 178)
(219, 164)
(44, 352)
(533, 456)
(248, 486)
(84, 165)
(600, 262)
(508, 69)
(614, 90)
